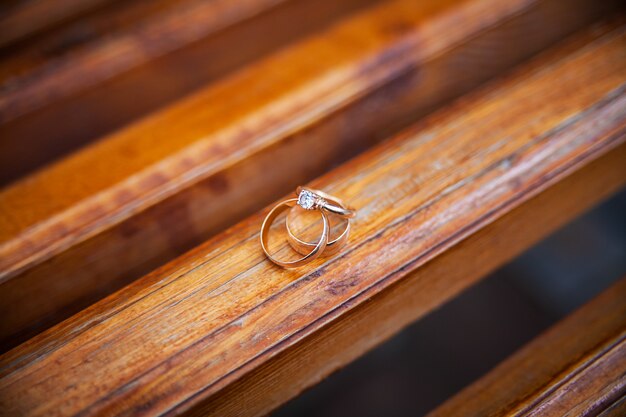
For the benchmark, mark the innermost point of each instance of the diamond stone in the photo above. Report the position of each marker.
(306, 200)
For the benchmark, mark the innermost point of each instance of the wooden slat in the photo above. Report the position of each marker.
(189, 336)
(121, 36)
(27, 17)
(340, 342)
(345, 339)
(153, 51)
(576, 368)
(93, 222)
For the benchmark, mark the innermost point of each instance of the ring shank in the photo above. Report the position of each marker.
(304, 247)
(312, 255)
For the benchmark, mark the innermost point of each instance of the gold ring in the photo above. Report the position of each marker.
(310, 199)
(332, 247)
(312, 255)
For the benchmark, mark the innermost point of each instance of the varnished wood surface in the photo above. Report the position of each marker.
(91, 223)
(153, 51)
(576, 368)
(180, 338)
(304, 364)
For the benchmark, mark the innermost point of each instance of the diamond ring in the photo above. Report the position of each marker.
(309, 199)
(312, 255)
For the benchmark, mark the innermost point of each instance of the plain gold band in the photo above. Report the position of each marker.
(310, 256)
(332, 247)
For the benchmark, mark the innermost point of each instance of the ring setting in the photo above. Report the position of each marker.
(307, 200)
(310, 199)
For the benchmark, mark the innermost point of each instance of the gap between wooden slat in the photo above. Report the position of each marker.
(28, 17)
(575, 368)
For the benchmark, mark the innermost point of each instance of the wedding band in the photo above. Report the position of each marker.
(310, 199)
(332, 247)
(312, 254)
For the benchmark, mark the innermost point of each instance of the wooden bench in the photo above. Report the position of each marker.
(102, 217)
(444, 196)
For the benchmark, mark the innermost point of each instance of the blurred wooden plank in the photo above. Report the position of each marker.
(121, 36)
(223, 331)
(84, 227)
(576, 368)
(98, 46)
(153, 51)
(27, 17)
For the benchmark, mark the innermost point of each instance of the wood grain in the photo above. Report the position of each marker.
(575, 368)
(180, 338)
(307, 362)
(95, 221)
(153, 51)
